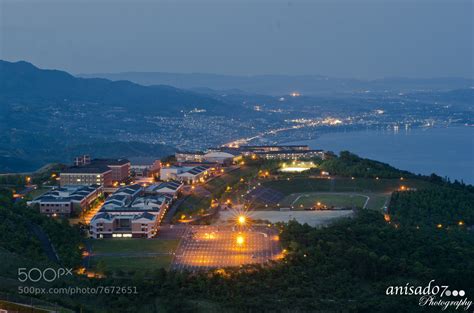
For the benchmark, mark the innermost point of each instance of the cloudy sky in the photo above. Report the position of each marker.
(342, 38)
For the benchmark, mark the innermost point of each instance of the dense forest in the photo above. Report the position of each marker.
(19, 227)
(441, 207)
(349, 164)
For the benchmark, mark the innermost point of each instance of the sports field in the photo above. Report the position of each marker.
(341, 192)
(336, 200)
(299, 201)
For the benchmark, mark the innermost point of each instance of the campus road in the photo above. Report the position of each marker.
(172, 211)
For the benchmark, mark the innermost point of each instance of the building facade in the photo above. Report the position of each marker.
(120, 168)
(86, 175)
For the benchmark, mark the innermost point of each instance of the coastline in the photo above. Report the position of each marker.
(446, 151)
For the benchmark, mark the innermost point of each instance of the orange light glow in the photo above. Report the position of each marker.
(240, 240)
(242, 220)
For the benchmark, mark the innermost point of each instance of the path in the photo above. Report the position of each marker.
(45, 242)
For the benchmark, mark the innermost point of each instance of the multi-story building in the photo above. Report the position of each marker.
(145, 169)
(137, 225)
(185, 156)
(218, 155)
(86, 175)
(67, 200)
(188, 175)
(138, 217)
(224, 157)
(120, 168)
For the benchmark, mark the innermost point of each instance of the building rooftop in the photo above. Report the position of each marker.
(67, 193)
(87, 169)
(118, 209)
(173, 185)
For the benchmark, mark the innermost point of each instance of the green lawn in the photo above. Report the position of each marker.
(134, 261)
(331, 200)
(376, 200)
(363, 185)
(127, 263)
(131, 245)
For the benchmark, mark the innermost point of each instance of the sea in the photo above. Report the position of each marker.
(446, 151)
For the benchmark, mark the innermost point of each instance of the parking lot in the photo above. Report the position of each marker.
(206, 247)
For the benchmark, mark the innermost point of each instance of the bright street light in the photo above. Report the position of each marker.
(240, 240)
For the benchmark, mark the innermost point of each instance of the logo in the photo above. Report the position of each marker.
(433, 295)
(48, 274)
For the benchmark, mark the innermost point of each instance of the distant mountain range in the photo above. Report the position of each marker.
(285, 84)
(24, 83)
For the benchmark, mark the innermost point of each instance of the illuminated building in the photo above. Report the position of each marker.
(86, 175)
(66, 200)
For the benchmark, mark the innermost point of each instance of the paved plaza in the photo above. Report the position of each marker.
(206, 247)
